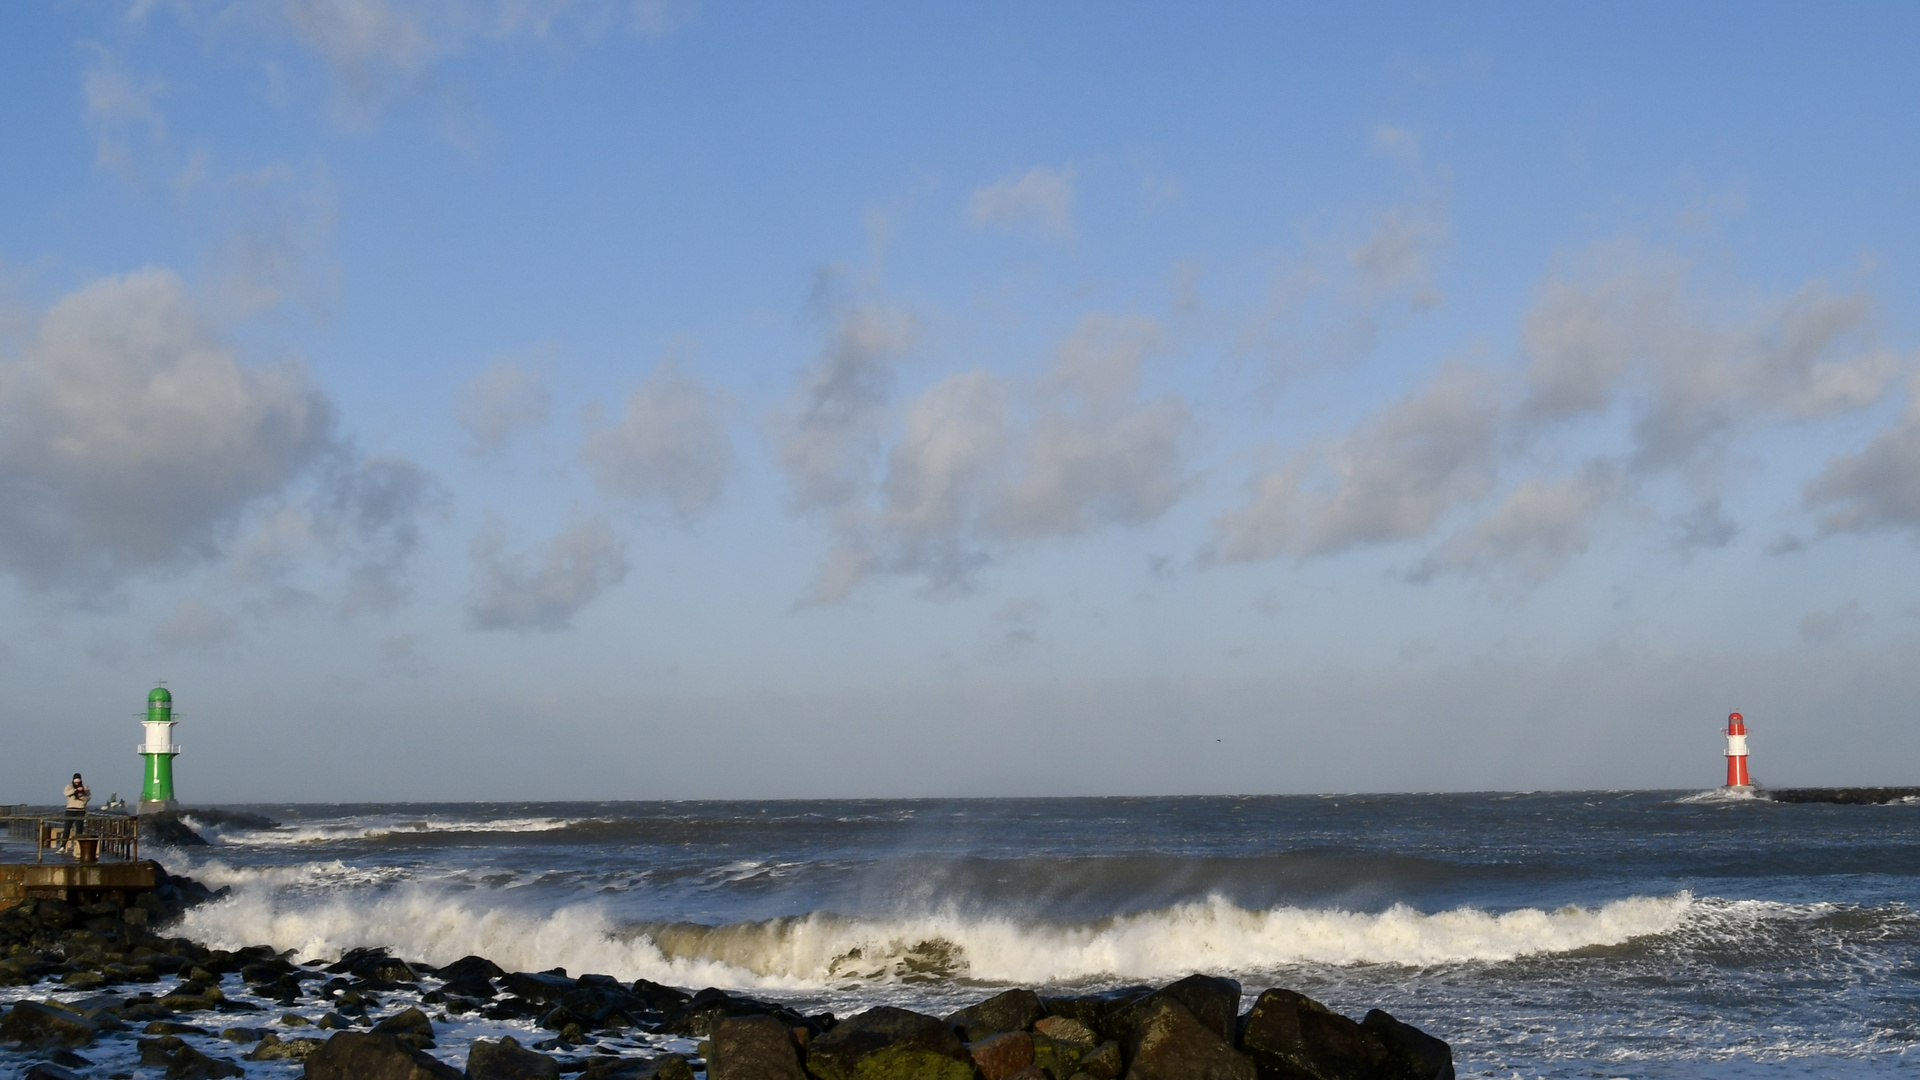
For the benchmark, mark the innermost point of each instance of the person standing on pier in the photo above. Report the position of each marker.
(77, 798)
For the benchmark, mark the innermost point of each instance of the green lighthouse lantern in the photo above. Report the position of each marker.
(159, 750)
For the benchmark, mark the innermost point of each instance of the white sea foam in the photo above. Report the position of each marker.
(822, 950)
(375, 828)
(1721, 795)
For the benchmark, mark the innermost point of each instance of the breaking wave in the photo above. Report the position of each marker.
(823, 950)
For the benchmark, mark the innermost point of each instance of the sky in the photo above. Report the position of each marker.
(534, 399)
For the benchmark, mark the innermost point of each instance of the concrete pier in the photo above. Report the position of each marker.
(75, 882)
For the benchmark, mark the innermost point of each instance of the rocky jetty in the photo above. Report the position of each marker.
(379, 1018)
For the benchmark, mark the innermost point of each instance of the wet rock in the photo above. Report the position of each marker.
(1412, 1054)
(31, 1023)
(373, 964)
(508, 1060)
(167, 828)
(1289, 1035)
(274, 1048)
(1166, 1042)
(367, 1055)
(1013, 1010)
(47, 1070)
(470, 968)
(243, 1034)
(410, 1026)
(543, 987)
(168, 1027)
(1001, 1056)
(1065, 1029)
(661, 997)
(753, 1048)
(1095, 1010)
(83, 980)
(664, 1067)
(182, 1062)
(700, 1012)
(885, 1042)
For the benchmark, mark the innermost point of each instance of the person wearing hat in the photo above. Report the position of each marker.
(77, 798)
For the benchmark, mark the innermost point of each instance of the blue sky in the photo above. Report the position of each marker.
(657, 400)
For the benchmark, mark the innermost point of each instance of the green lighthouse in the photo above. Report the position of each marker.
(159, 750)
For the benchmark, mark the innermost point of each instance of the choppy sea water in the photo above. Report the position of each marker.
(1595, 934)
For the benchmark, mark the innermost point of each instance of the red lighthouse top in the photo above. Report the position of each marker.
(1735, 725)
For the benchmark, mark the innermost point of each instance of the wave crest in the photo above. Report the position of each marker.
(823, 949)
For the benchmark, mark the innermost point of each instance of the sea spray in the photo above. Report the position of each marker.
(821, 949)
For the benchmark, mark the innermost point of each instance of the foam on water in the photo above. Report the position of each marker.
(355, 828)
(823, 949)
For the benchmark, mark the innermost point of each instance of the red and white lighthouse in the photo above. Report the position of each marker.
(1736, 733)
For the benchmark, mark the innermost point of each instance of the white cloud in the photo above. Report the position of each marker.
(1624, 326)
(982, 463)
(830, 437)
(116, 101)
(1097, 455)
(543, 592)
(380, 50)
(194, 625)
(668, 445)
(1396, 259)
(1534, 531)
(1393, 478)
(133, 438)
(1832, 624)
(1877, 487)
(1041, 196)
(368, 512)
(502, 402)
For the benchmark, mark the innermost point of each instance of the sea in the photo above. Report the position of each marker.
(1541, 934)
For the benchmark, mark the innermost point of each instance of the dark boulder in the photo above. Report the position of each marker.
(1002, 1056)
(47, 1070)
(472, 969)
(664, 1067)
(1166, 1042)
(885, 1042)
(366, 1055)
(753, 1048)
(1412, 1054)
(274, 1048)
(31, 1023)
(1213, 1001)
(508, 1060)
(167, 828)
(182, 1062)
(660, 996)
(542, 986)
(697, 1015)
(410, 1026)
(1291, 1036)
(1013, 1010)
(1095, 1011)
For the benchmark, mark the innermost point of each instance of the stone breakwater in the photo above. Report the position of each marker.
(100, 990)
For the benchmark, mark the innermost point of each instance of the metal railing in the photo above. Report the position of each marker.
(86, 839)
